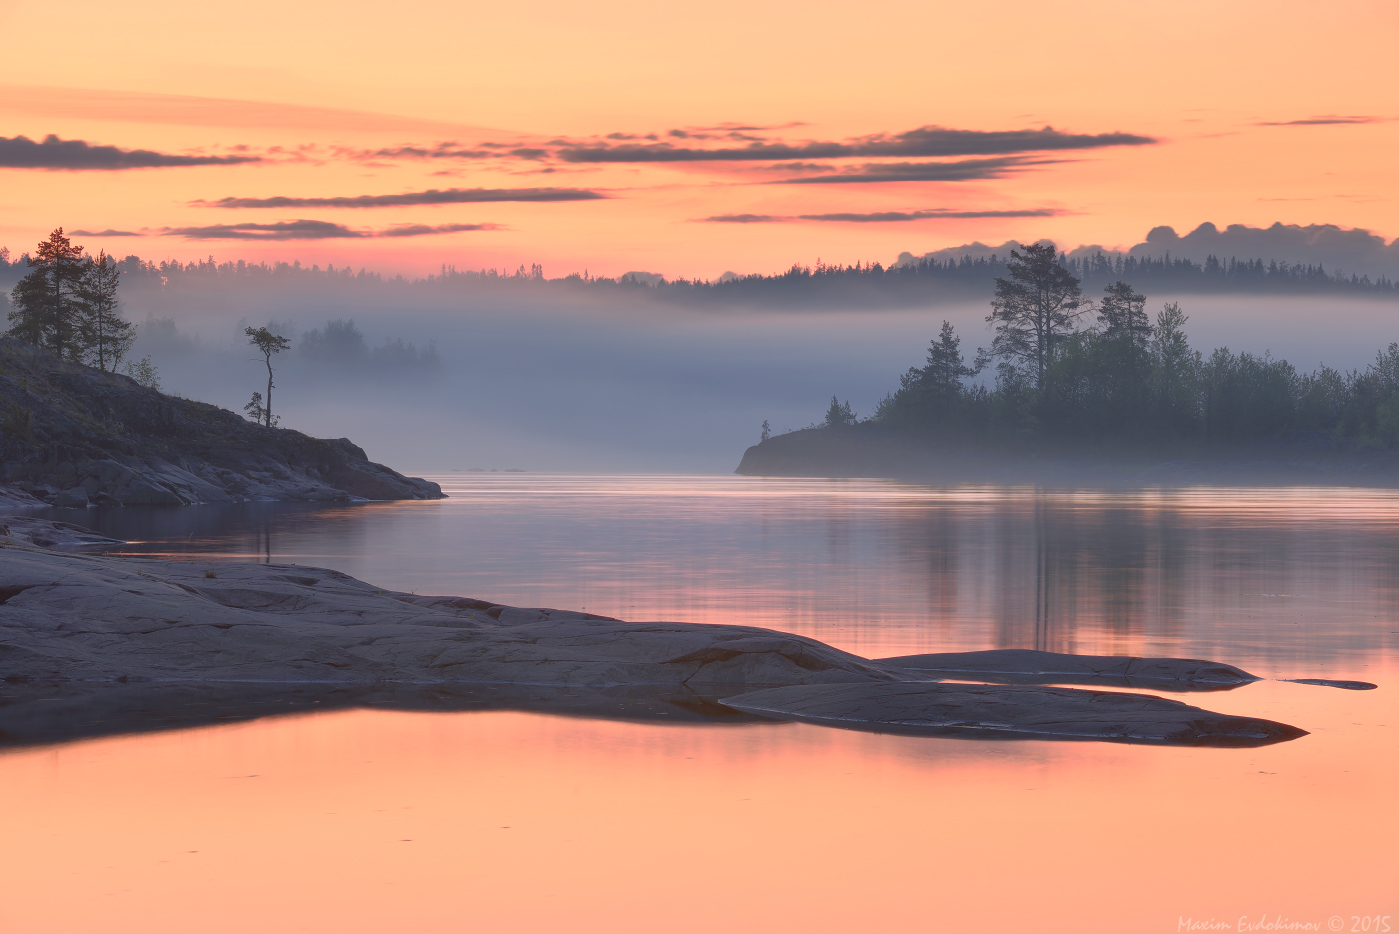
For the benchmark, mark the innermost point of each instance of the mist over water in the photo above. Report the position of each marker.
(570, 384)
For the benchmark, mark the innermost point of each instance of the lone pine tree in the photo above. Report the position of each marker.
(1034, 308)
(269, 343)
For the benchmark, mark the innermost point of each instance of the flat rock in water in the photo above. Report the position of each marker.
(93, 644)
(999, 711)
(1028, 666)
(69, 617)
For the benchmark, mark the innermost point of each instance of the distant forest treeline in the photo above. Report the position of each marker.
(1073, 371)
(821, 285)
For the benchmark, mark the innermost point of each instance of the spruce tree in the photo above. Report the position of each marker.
(945, 370)
(1122, 312)
(106, 336)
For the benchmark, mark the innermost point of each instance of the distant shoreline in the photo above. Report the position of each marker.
(1296, 458)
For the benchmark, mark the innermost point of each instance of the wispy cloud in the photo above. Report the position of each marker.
(78, 155)
(924, 141)
(107, 233)
(744, 219)
(433, 196)
(1324, 121)
(312, 230)
(961, 171)
(883, 217)
(420, 230)
(874, 217)
(450, 149)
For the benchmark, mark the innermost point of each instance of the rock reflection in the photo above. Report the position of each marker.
(56, 713)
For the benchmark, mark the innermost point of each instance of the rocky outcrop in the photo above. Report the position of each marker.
(57, 536)
(71, 435)
(91, 644)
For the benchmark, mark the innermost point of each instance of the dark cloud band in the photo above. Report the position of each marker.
(884, 217)
(448, 196)
(925, 141)
(106, 233)
(312, 230)
(78, 155)
(962, 171)
(1324, 121)
(874, 217)
(744, 219)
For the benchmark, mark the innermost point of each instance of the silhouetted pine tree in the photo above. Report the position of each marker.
(48, 308)
(1034, 308)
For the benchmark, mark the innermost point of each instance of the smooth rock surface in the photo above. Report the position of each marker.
(59, 536)
(88, 618)
(1004, 711)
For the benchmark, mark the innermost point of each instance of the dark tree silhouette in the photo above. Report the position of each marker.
(105, 335)
(1034, 309)
(946, 369)
(839, 414)
(1122, 312)
(269, 344)
(48, 309)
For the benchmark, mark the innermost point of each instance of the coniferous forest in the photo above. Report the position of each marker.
(1067, 370)
(800, 287)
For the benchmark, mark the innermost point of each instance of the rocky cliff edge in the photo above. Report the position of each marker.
(71, 435)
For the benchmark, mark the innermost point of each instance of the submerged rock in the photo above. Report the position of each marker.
(1012, 712)
(1028, 666)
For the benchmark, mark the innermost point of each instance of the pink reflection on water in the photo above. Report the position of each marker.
(371, 821)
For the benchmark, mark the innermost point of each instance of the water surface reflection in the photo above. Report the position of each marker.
(372, 820)
(1272, 578)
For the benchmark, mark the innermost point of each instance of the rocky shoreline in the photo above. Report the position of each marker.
(93, 644)
(71, 435)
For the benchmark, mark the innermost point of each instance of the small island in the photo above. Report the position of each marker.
(1095, 392)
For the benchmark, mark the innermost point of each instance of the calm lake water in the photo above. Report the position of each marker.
(378, 820)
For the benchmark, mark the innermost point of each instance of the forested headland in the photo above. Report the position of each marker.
(1070, 374)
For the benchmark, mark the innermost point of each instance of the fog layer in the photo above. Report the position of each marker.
(495, 382)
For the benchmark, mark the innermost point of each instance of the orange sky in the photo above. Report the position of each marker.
(313, 91)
